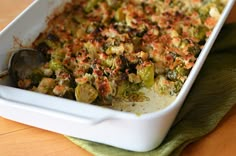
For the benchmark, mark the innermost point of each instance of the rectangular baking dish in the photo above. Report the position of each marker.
(120, 129)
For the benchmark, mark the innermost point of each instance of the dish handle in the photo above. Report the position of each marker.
(18, 105)
(16, 111)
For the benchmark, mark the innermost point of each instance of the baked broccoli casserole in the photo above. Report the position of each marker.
(122, 54)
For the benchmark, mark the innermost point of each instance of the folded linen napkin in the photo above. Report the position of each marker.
(211, 97)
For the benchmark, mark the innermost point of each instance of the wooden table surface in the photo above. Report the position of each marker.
(18, 139)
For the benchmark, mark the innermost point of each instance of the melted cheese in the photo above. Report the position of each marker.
(154, 103)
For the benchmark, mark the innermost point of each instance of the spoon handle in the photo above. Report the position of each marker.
(3, 73)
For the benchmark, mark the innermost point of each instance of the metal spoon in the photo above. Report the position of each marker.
(22, 62)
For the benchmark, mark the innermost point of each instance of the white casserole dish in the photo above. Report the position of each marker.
(115, 128)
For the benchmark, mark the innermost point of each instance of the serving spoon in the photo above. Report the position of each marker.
(22, 63)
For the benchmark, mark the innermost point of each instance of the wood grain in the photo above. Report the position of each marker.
(21, 140)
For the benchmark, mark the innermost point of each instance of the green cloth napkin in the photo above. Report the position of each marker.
(212, 96)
